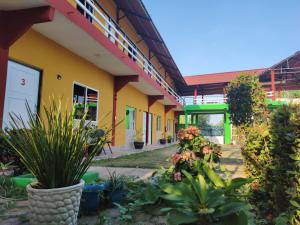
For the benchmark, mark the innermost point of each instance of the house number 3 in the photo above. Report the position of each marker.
(23, 82)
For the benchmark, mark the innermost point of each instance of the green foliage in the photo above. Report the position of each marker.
(9, 194)
(283, 176)
(7, 155)
(290, 94)
(197, 200)
(115, 181)
(246, 100)
(256, 150)
(53, 147)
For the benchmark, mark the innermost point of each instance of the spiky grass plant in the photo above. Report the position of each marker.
(53, 147)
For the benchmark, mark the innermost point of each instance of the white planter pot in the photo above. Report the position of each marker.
(54, 206)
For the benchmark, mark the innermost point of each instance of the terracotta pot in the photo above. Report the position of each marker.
(54, 206)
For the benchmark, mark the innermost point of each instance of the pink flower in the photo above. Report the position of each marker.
(206, 150)
(177, 176)
(175, 158)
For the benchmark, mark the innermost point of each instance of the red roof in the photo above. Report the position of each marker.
(224, 77)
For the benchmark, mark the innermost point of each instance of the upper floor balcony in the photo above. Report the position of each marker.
(107, 26)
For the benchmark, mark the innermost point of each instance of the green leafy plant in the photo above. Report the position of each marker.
(246, 100)
(7, 155)
(283, 175)
(115, 181)
(52, 147)
(5, 166)
(194, 200)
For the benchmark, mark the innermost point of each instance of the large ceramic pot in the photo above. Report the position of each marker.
(54, 206)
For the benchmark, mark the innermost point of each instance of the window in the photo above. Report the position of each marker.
(88, 6)
(85, 100)
(168, 125)
(158, 123)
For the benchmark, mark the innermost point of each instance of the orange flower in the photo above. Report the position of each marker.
(206, 150)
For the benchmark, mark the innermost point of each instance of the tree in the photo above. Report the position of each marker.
(246, 100)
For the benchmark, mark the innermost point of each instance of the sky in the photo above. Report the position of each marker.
(207, 36)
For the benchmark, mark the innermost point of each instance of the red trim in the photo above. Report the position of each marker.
(74, 16)
(153, 98)
(13, 25)
(273, 84)
(169, 107)
(3, 74)
(119, 83)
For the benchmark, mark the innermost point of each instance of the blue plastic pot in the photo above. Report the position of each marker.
(90, 199)
(116, 196)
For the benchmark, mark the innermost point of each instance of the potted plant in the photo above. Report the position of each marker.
(91, 197)
(115, 187)
(162, 141)
(52, 149)
(6, 169)
(138, 140)
(169, 139)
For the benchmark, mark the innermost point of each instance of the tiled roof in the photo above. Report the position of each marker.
(223, 77)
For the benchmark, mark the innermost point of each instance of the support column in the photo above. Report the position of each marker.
(167, 109)
(13, 25)
(227, 128)
(3, 75)
(151, 100)
(273, 85)
(195, 95)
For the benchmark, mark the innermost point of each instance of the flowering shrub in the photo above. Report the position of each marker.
(193, 149)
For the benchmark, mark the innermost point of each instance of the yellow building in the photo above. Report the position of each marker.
(103, 56)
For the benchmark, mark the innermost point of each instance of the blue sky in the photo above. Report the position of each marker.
(206, 36)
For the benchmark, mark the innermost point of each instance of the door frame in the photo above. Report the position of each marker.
(150, 131)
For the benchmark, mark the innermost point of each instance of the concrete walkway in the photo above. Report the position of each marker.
(122, 151)
(232, 160)
(133, 172)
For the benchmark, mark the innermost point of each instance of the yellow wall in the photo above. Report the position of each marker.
(129, 96)
(36, 50)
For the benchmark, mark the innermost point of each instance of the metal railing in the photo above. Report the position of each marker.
(190, 100)
(120, 39)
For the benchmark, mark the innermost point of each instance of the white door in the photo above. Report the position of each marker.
(22, 85)
(150, 129)
(144, 126)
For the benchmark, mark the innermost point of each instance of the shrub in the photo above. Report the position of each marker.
(246, 100)
(256, 149)
(7, 154)
(283, 176)
(193, 150)
(53, 147)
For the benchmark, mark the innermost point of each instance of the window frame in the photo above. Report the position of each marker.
(158, 118)
(168, 125)
(86, 87)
